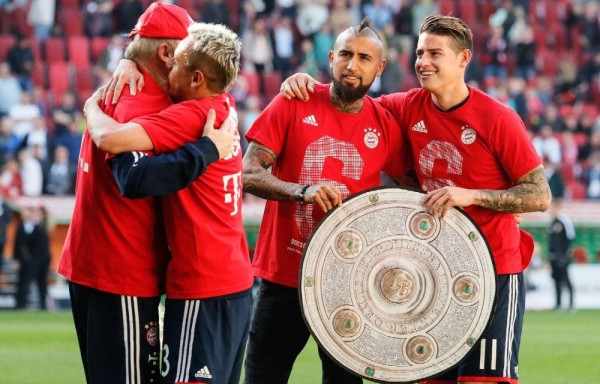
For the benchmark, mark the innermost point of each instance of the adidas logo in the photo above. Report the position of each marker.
(204, 373)
(310, 120)
(419, 127)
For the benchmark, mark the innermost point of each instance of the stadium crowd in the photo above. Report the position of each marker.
(541, 57)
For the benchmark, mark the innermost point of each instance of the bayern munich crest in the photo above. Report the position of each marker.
(371, 137)
(468, 135)
(152, 333)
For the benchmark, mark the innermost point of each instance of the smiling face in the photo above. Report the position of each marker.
(439, 66)
(355, 62)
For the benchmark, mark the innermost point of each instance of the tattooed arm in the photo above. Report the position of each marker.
(260, 182)
(531, 193)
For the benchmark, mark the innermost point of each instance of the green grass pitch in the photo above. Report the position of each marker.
(557, 348)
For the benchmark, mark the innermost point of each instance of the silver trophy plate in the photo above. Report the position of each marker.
(392, 293)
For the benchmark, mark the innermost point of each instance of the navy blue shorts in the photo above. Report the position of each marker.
(496, 356)
(118, 336)
(204, 340)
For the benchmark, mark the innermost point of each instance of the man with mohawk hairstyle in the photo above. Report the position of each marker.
(209, 279)
(321, 151)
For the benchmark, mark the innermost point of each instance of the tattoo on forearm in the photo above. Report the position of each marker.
(260, 182)
(531, 193)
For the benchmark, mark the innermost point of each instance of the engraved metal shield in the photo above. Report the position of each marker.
(392, 293)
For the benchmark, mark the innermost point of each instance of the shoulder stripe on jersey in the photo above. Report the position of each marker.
(186, 341)
(130, 314)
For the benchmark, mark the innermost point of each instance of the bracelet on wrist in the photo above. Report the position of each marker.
(300, 196)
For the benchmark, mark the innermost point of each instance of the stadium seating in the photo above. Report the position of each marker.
(79, 50)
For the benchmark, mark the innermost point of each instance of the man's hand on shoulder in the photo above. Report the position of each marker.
(298, 86)
(223, 137)
(126, 73)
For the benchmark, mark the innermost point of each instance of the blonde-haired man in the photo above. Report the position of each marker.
(209, 278)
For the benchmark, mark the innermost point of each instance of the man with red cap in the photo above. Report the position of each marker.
(115, 254)
(209, 277)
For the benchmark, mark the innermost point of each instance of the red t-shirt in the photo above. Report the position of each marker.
(204, 220)
(116, 244)
(317, 144)
(481, 144)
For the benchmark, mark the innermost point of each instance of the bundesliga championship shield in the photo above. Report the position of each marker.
(392, 293)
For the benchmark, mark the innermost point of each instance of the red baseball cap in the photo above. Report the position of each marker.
(162, 21)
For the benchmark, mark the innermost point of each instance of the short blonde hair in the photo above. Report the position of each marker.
(215, 50)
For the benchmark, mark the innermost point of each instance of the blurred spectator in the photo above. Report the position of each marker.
(403, 24)
(545, 89)
(5, 218)
(308, 61)
(61, 175)
(65, 114)
(38, 137)
(40, 99)
(355, 11)
(285, 8)
(71, 138)
(239, 91)
(110, 57)
(560, 254)
(590, 27)
(323, 43)
(126, 14)
(496, 54)
(215, 11)
(98, 21)
(586, 124)
(32, 176)
(590, 147)
(32, 251)
(591, 70)
(340, 17)
(11, 185)
(311, 15)
(550, 117)
(379, 13)
(547, 146)
(420, 10)
(9, 142)
(23, 115)
(249, 14)
(20, 59)
(504, 17)
(569, 83)
(525, 53)
(570, 149)
(257, 50)
(517, 99)
(392, 77)
(10, 90)
(592, 176)
(391, 38)
(555, 180)
(247, 118)
(41, 18)
(519, 26)
(283, 35)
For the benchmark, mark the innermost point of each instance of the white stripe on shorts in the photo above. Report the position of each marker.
(131, 339)
(511, 315)
(186, 341)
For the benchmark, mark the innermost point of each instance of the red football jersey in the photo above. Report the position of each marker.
(317, 144)
(483, 144)
(203, 221)
(115, 244)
